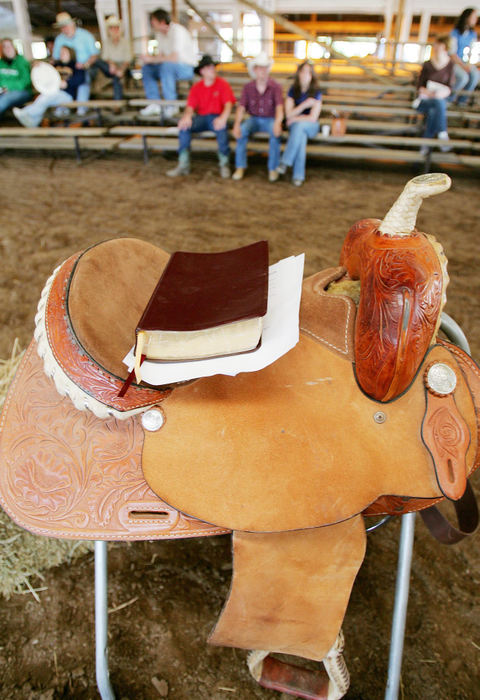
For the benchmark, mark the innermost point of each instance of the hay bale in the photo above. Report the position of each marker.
(23, 556)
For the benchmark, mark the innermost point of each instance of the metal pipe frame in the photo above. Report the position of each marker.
(101, 621)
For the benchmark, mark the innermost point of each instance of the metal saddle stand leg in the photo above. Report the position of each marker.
(455, 334)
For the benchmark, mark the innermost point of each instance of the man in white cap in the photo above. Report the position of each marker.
(262, 99)
(174, 61)
(116, 55)
(83, 43)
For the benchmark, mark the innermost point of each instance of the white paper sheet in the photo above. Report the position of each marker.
(280, 333)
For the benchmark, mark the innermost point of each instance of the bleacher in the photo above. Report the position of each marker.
(380, 125)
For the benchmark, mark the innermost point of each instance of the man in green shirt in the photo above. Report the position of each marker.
(15, 83)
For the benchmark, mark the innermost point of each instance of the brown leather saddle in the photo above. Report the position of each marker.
(287, 458)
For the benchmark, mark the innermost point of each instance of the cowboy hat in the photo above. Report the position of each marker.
(113, 21)
(206, 60)
(45, 78)
(63, 19)
(261, 60)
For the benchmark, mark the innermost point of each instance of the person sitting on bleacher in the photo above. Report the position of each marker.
(15, 83)
(302, 110)
(71, 79)
(434, 86)
(174, 61)
(209, 105)
(83, 43)
(462, 38)
(262, 99)
(116, 56)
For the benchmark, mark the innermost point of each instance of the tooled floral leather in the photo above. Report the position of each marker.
(400, 302)
(66, 473)
(447, 436)
(76, 363)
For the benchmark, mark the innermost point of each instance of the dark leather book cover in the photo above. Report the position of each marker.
(203, 290)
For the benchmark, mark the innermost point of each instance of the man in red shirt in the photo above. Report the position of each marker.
(209, 105)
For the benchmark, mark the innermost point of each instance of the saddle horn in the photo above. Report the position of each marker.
(403, 278)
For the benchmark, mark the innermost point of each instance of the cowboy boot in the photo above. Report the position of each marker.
(224, 166)
(183, 166)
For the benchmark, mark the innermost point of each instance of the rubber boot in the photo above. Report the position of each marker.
(224, 166)
(183, 166)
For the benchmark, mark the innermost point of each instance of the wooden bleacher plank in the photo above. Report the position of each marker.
(373, 125)
(58, 143)
(98, 104)
(462, 159)
(44, 131)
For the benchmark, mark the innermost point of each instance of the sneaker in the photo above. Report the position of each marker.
(24, 118)
(169, 112)
(238, 174)
(282, 169)
(225, 172)
(297, 183)
(151, 111)
(178, 171)
(443, 136)
(272, 175)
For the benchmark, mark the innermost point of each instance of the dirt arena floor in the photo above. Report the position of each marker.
(172, 592)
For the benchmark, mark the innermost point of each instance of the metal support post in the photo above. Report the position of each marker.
(101, 621)
(401, 603)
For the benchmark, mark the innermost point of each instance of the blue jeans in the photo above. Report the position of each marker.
(13, 98)
(102, 65)
(295, 153)
(435, 111)
(464, 80)
(38, 107)
(83, 91)
(204, 123)
(167, 73)
(251, 126)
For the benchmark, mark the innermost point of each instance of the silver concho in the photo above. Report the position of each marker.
(441, 379)
(152, 420)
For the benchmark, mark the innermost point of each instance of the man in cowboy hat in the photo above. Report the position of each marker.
(209, 105)
(262, 99)
(83, 43)
(174, 61)
(116, 55)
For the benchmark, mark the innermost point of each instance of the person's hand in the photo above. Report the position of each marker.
(277, 128)
(309, 102)
(185, 122)
(112, 69)
(80, 66)
(146, 58)
(63, 84)
(236, 131)
(219, 123)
